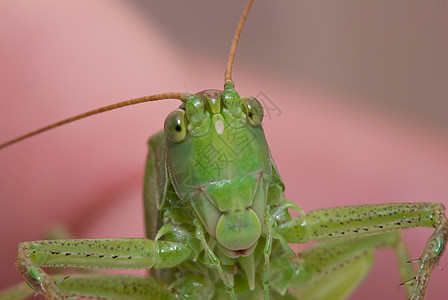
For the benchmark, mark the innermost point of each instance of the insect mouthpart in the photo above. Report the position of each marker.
(238, 230)
(238, 253)
(232, 211)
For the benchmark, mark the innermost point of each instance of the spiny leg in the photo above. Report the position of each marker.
(123, 287)
(103, 286)
(333, 270)
(352, 221)
(214, 260)
(267, 253)
(339, 284)
(97, 253)
(429, 259)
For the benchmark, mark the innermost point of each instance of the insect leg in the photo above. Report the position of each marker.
(97, 253)
(123, 287)
(214, 260)
(352, 221)
(333, 270)
(103, 286)
(155, 183)
(267, 253)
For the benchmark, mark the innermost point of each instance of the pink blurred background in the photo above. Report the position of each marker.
(336, 135)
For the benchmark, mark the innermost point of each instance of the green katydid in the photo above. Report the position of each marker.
(224, 122)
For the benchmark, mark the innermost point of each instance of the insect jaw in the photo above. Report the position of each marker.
(238, 253)
(238, 230)
(232, 211)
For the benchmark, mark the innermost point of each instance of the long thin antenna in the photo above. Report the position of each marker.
(236, 37)
(179, 96)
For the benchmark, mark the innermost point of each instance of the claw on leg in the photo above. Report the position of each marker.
(434, 249)
(37, 278)
(409, 282)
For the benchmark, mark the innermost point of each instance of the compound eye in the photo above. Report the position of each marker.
(175, 127)
(254, 110)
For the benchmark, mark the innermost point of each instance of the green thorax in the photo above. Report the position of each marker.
(219, 161)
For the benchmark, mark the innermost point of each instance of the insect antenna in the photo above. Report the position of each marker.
(180, 96)
(164, 96)
(236, 37)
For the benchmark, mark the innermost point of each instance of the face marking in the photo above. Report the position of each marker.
(219, 126)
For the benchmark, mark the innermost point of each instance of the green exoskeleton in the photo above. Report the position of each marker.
(218, 225)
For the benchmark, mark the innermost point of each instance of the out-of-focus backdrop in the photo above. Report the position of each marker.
(354, 94)
(388, 54)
